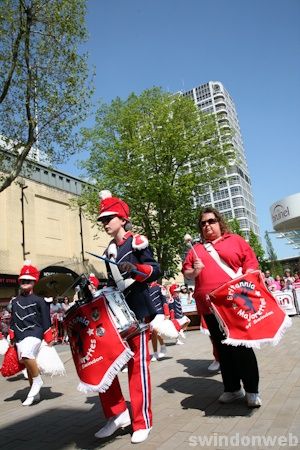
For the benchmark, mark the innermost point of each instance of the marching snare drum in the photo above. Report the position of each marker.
(122, 316)
(98, 349)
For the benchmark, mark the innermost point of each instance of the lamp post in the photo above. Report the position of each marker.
(81, 234)
(23, 187)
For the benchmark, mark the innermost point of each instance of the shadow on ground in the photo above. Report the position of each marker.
(57, 429)
(203, 391)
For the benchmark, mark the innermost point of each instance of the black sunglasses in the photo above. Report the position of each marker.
(106, 219)
(209, 222)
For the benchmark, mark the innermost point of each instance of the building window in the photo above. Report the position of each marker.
(223, 205)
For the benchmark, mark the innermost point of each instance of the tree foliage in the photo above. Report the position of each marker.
(155, 151)
(253, 242)
(274, 265)
(258, 250)
(235, 227)
(43, 80)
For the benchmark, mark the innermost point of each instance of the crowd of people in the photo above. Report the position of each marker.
(287, 282)
(131, 267)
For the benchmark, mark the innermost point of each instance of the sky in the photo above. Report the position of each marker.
(251, 46)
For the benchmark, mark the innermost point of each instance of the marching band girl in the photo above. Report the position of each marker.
(132, 254)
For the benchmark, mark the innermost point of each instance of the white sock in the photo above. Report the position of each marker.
(37, 383)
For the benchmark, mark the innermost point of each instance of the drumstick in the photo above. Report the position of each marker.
(136, 272)
(188, 240)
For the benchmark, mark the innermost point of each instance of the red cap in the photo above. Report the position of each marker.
(94, 280)
(174, 288)
(110, 206)
(29, 272)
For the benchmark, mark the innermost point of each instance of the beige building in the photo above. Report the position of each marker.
(38, 223)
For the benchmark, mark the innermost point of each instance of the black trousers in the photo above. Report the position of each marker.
(237, 363)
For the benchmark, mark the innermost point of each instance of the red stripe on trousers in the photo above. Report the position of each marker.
(112, 400)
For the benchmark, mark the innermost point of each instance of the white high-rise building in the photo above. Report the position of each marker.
(234, 199)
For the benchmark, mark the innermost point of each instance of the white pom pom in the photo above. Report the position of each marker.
(187, 238)
(27, 262)
(105, 194)
(139, 242)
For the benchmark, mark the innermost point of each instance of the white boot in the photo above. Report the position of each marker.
(214, 366)
(154, 356)
(31, 400)
(122, 420)
(163, 351)
(37, 383)
(140, 436)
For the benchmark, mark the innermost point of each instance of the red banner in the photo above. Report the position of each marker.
(98, 351)
(248, 312)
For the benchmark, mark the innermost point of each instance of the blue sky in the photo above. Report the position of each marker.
(251, 46)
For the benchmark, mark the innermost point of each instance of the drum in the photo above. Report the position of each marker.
(122, 316)
(99, 352)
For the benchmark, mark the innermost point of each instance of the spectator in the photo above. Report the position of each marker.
(191, 299)
(283, 286)
(296, 284)
(277, 283)
(56, 314)
(5, 323)
(268, 279)
(288, 278)
(65, 307)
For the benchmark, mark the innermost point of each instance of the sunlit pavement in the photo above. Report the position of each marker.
(185, 406)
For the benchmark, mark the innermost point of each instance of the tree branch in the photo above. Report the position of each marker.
(15, 52)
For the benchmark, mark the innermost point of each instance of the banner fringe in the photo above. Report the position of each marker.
(287, 322)
(107, 380)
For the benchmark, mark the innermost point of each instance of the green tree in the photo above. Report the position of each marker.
(258, 250)
(155, 150)
(44, 91)
(235, 227)
(275, 266)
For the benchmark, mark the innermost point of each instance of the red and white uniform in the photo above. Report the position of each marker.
(138, 298)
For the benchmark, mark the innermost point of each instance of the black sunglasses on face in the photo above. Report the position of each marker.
(26, 281)
(106, 219)
(209, 222)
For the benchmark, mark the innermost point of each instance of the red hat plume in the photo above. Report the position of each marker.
(29, 272)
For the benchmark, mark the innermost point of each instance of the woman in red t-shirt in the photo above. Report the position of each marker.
(238, 364)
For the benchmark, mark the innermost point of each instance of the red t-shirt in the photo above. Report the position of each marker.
(234, 250)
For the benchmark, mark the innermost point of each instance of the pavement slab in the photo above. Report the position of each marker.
(186, 413)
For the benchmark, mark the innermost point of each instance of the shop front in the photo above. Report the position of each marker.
(8, 288)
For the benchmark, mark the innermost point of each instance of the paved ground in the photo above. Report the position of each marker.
(185, 405)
